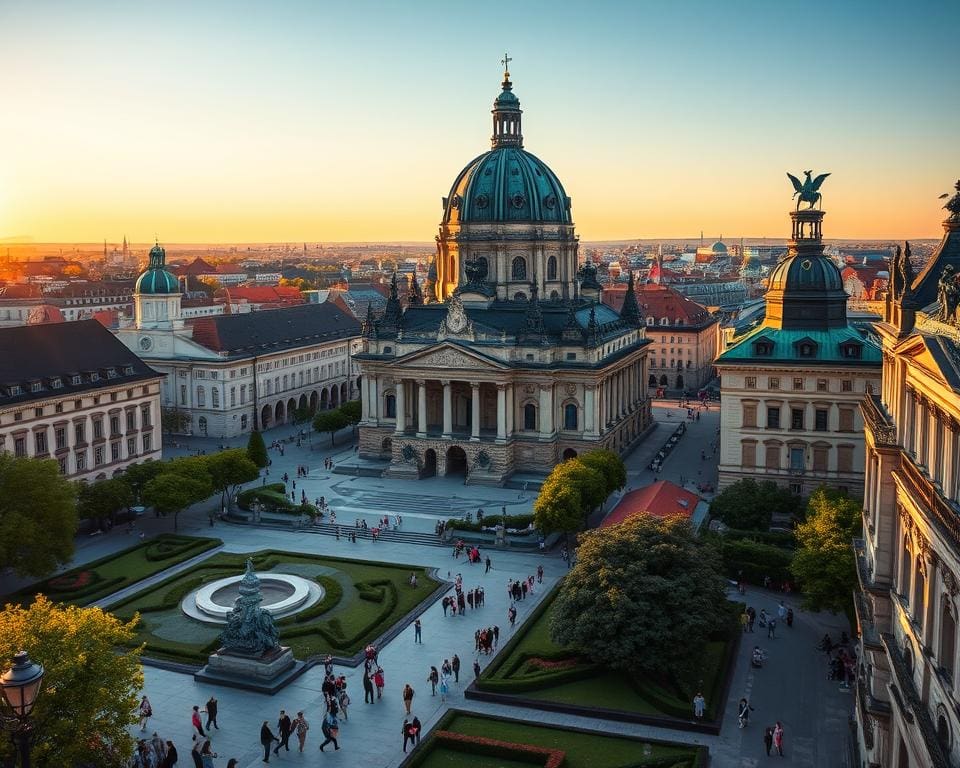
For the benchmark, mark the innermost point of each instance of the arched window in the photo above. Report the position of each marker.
(484, 265)
(919, 582)
(570, 416)
(201, 396)
(519, 296)
(948, 640)
(390, 406)
(905, 560)
(202, 425)
(530, 416)
(243, 421)
(552, 268)
(679, 382)
(518, 269)
(663, 381)
(652, 381)
(943, 729)
(215, 397)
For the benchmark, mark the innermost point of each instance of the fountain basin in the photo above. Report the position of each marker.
(283, 595)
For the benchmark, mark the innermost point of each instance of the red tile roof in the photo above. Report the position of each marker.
(659, 301)
(662, 499)
(278, 295)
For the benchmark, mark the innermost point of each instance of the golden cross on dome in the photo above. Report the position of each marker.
(506, 64)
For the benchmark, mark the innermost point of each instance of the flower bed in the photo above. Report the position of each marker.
(71, 581)
(527, 753)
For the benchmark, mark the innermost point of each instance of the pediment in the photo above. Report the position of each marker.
(449, 356)
(938, 358)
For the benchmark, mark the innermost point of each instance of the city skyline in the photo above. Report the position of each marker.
(275, 125)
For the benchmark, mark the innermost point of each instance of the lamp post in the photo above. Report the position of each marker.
(20, 685)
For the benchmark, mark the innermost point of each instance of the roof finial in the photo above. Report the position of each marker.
(506, 67)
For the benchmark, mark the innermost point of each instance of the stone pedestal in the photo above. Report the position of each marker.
(267, 673)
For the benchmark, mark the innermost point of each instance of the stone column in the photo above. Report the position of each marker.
(421, 408)
(929, 595)
(475, 411)
(401, 406)
(365, 401)
(546, 410)
(447, 408)
(501, 413)
(511, 406)
(589, 409)
(375, 399)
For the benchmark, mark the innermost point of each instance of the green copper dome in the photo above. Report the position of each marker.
(507, 184)
(805, 273)
(156, 279)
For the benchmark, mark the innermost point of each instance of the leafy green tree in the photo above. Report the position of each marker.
(174, 421)
(587, 482)
(644, 596)
(750, 505)
(353, 410)
(103, 499)
(330, 421)
(257, 449)
(229, 470)
(825, 564)
(136, 476)
(90, 690)
(557, 509)
(608, 464)
(172, 492)
(38, 516)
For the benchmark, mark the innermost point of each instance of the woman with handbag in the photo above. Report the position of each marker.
(331, 730)
(301, 726)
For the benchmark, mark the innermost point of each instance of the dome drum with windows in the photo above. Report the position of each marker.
(156, 279)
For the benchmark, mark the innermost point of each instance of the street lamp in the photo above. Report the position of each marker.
(20, 685)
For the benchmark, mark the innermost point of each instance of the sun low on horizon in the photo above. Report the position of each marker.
(293, 122)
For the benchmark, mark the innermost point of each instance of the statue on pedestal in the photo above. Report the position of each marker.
(250, 629)
(807, 191)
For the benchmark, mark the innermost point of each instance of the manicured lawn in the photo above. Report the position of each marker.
(534, 667)
(583, 750)
(91, 582)
(363, 600)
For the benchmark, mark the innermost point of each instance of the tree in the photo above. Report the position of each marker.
(557, 509)
(644, 595)
(103, 499)
(229, 470)
(38, 516)
(353, 411)
(170, 493)
(136, 476)
(174, 421)
(330, 421)
(608, 464)
(257, 450)
(750, 505)
(90, 691)
(825, 564)
(588, 483)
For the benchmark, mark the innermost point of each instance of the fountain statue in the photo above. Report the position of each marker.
(250, 629)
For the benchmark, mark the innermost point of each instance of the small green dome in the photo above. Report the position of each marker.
(805, 273)
(156, 280)
(718, 247)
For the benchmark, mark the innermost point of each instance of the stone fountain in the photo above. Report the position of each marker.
(250, 655)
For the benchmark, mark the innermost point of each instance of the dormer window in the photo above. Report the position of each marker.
(56, 383)
(35, 386)
(679, 321)
(15, 389)
(111, 373)
(75, 380)
(664, 321)
(763, 348)
(650, 321)
(94, 376)
(806, 347)
(128, 370)
(851, 350)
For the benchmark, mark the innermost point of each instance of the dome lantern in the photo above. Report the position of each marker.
(506, 113)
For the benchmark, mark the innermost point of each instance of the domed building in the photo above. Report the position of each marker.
(510, 363)
(791, 387)
(157, 294)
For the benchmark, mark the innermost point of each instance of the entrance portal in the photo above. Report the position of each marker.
(456, 461)
(430, 463)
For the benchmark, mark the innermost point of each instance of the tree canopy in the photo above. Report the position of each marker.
(90, 691)
(172, 492)
(331, 421)
(557, 509)
(103, 499)
(609, 464)
(588, 483)
(644, 595)
(825, 564)
(228, 470)
(750, 505)
(136, 476)
(173, 420)
(257, 449)
(38, 516)
(353, 410)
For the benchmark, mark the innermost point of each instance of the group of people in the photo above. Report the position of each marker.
(460, 599)
(842, 659)
(486, 640)
(157, 752)
(518, 589)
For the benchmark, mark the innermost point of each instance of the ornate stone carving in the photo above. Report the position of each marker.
(529, 388)
(445, 358)
(571, 388)
(456, 321)
(950, 581)
(250, 629)
(948, 295)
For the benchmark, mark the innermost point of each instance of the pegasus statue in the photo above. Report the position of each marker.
(807, 191)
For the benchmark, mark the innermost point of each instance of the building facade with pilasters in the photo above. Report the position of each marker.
(908, 693)
(512, 364)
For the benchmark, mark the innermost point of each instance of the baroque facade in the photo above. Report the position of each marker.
(908, 706)
(791, 387)
(507, 362)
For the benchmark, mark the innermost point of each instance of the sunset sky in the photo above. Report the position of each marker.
(316, 121)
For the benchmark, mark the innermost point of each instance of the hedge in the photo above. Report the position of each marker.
(519, 522)
(756, 561)
(508, 750)
(775, 538)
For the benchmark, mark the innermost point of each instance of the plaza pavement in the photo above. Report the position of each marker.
(792, 687)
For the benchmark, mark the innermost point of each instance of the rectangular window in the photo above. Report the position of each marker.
(58, 408)
(233, 396)
(131, 420)
(116, 451)
(183, 394)
(773, 383)
(798, 383)
(748, 454)
(20, 446)
(772, 457)
(81, 461)
(145, 416)
(773, 417)
(749, 415)
(131, 446)
(114, 425)
(147, 443)
(98, 456)
(62, 465)
(40, 439)
(97, 429)
(845, 458)
(846, 420)
(80, 432)
(243, 394)
(38, 412)
(846, 385)
(215, 398)
(820, 420)
(822, 385)
(820, 459)
(796, 418)
(60, 436)
(797, 460)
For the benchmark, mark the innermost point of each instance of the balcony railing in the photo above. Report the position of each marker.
(883, 431)
(866, 721)
(944, 512)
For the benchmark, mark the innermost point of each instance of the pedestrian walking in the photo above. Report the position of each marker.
(476, 668)
(743, 713)
(207, 754)
(284, 729)
(212, 713)
(699, 705)
(198, 742)
(301, 726)
(196, 722)
(444, 688)
(778, 737)
(379, 681)
(539, 574)
(416, 632)
(408, 735)
(367, 689)
(768, 739)
(170, 756)
(433, 678)
(146, 712)
(455, 665)
(487, 563)
(772, 628)
(266, 739)
(344, 703)
(331, 730)
(159, 747)
(408, 693)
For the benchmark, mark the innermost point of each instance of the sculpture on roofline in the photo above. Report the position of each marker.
(250, 629)
(948, 294)
(807, 191)
(953, 204)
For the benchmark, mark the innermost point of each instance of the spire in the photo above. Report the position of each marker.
(104, 248)
(393, 313)
(414, 296)
(506, 113)
(370, 323)
(124, 245)
(630, 312)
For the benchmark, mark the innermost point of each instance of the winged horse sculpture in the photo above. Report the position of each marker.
(806, 191)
